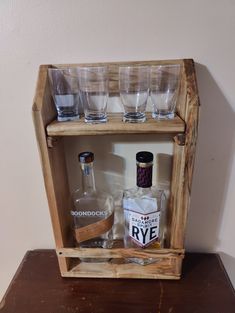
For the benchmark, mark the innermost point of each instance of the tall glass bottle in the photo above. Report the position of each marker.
(93, 212)
(143, 210)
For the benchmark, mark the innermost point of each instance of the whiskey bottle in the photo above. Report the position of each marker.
(93, 211)
(143, 210)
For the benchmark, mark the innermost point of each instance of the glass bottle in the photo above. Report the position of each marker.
(93, 212)
(143, 210)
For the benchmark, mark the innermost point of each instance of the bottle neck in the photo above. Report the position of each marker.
(144, 175)
(88, 180)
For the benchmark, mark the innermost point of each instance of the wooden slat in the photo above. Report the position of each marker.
(192, 119)
(168, 268)
(113, 69)
(181, 99)
(118, 253)
(178, 202)
(115, 65)
(115, 125)
(183, 163)
(51, 159)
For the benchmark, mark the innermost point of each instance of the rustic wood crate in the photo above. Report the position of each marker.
(183, 129)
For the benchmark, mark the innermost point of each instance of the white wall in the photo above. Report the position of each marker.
(34, 32)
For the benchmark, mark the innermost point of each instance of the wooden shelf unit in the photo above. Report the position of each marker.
(182, 129)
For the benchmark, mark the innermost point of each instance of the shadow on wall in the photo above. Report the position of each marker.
(213, 164)
(115, 166)
(229, 263)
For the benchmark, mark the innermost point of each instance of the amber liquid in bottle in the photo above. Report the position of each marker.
(143, 211)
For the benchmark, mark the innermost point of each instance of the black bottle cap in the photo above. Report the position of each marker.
(144, 157)
(86, 157)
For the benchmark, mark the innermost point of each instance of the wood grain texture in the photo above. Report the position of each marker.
(53, 165)
(191, 119)
(181, 102)
(178, 202)
(50, 135)
(183, 162)
(115, 125)
(38, 287)
(165, 268)
(113, 69)
(119, 253)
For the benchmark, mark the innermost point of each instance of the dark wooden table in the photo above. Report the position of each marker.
(38, 288)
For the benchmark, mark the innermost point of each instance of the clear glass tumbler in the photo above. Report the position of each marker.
(164, 88)
(65, 92)
(93, 85)
(134, 91)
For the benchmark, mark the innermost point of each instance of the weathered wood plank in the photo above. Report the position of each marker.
(51, 159)
(113, 69)
(166, 268)
(118, 253)
(115, 125)
(178, 202)
(183, 163)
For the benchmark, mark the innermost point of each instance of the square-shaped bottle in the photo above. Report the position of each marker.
(144, 210)
(93, 209)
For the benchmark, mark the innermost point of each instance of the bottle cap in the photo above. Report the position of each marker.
(86, 157)
(144, 157)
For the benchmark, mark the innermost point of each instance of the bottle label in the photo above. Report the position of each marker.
(143, 228)
(88, 213)
(94, 230)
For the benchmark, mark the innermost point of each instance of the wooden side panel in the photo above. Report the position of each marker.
(53, 165)
(42, 100)
(178, 200)
(181, 100)
(191, 119)
(183, 164)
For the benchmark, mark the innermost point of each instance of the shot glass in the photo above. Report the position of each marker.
(93, 85)
(65, 92)
(134, 91)
(164, 89)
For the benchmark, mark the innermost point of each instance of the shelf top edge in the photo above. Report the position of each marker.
(167, 61)
(115, 125)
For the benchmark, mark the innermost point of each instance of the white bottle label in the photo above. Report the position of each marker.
(144, 226)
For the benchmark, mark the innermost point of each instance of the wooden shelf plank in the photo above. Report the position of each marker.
(165, 269)
(119, 253)
(115, 125)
